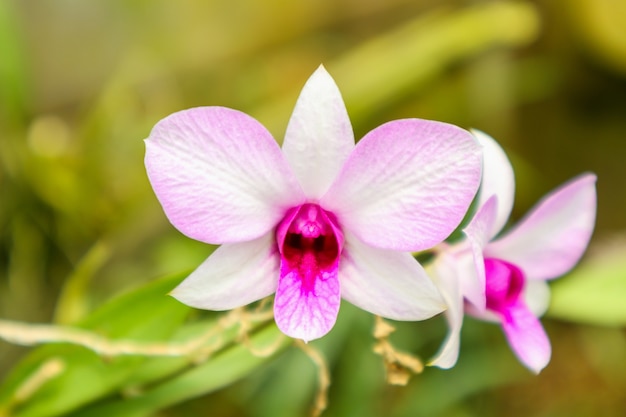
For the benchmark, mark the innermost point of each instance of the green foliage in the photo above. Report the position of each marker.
(593, 293)
(136, 384)
(219, 371)
(146, 314)
(13, 84)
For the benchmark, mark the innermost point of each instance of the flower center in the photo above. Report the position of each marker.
(310, 241)
(504, 282)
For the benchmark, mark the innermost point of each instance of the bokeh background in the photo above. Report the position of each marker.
(83, 82)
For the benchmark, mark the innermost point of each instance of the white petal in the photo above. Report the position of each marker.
(319, 136)
(234, 275)
(498, 179)
(478, 233)
(219, 175)
(407, 184)
(446, 276)
(387, 283)
(551, 239)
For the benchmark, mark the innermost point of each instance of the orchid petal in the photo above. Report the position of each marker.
(319, 136)
(387, 283)
(234, 275)
(307, 301)
(219, 175)
(478, 233)
(407, 184)
(498, 179)
(526, 336)
(551, 239)
(446, 276)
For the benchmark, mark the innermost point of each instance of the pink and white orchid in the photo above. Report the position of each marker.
(503, 278)
(320, 219)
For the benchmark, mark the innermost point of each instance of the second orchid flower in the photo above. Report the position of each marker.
(503, 278)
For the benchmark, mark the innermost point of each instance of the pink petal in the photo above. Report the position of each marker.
(498, 179)
(446, 276)
(387, 283)
(551, 239)
(526, 336)
(219, 175)
(407, 184)
(234, 275)
(478, 232)
(319, 136)
(307, 300)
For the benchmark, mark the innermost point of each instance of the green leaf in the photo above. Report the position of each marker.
(219, 371)
(411, 55)
(13, 84)
(593, 293)
(72, 302)
(146, 314)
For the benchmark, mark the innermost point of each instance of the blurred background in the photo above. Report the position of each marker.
(82, 83)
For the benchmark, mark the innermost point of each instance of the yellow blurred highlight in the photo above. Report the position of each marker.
(602, 26)
(49, 136)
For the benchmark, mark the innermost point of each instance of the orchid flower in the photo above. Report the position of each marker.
(319, 219)
(503, 278)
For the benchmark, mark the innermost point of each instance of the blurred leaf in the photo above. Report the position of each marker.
(274, 392)
(12, 69)
(219, 371)
(600, 25)
(161, 367)
(593, 293)
(411, 55)
(72, 303)
(145, 314)
(437, 390)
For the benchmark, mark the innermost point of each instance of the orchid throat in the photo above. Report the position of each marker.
(310, 241)
(504, 284)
